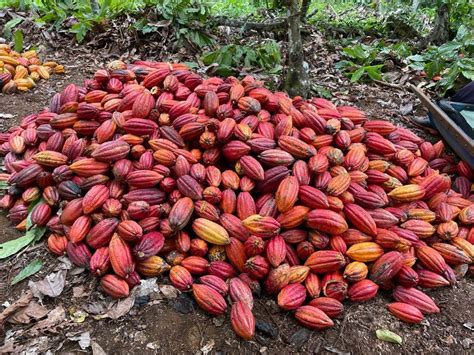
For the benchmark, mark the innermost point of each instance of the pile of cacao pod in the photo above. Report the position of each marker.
(234, 189)
(21, 71)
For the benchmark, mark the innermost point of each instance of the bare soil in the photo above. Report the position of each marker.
(163, 326)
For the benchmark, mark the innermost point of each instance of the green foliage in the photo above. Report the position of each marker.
(18, 40)
(231, 58)
(453, 61)
(351, 24)
(33, 234)
(366, 17)
(32, 268)
(460, 12)
(188, 17)
(10, 25)
(321, 91)
(365, 61)
(235, 8)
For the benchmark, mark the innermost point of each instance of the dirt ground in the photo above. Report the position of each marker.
(158, 324)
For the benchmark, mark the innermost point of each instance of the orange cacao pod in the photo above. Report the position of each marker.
(313, 318)
(121, 257)
(209, 299)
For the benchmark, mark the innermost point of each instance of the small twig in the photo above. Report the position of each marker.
(29, 249)
(334, 11)
(394, 86)
(343, 324)
(200, 331)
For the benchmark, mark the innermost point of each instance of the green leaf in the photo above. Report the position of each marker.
(402, 50)
(357, 52)
(276, 70)
(39, 233)
(357, 74)
(322, 91)
(224, 70)
(344, 64)
(198, 38)
(226, 58)
(18, 40)
(417, 66)
(4, 185)
(7, 29)
(449, 50)
(433, 68)
(192, 65)
(104, 8)
(13, 246)
(448, 80)
(140, 24)
(32, 235)
(210, 58)
(462, 33)
(374, 71)
(468, 74)
(467, 63)
(80, 29)
(387, 335)
(28, 270)
(416, 58)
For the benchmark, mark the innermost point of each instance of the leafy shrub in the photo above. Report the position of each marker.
(232, 57)
(453, 61)
(188, 17)
(80, 16)
(366, 61)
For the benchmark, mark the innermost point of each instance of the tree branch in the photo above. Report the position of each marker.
(390, 85)
(278, 24)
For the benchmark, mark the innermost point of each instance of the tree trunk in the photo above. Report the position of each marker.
(440, 32)
(296, 83)
(304, 9)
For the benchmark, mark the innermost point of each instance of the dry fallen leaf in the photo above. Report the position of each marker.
(22, 302)
(8, 347)
(119, 308)
(97, 349)
(93, 308)
(55, 318)
(34, 311)
(206, 349)
(146, 287)
(84, 339)
(79, 291)
(52, 285)
(36, 345)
